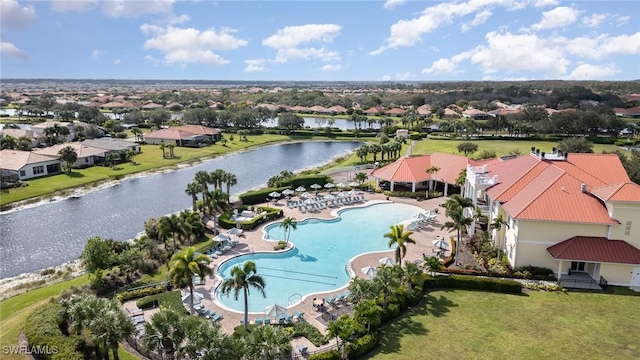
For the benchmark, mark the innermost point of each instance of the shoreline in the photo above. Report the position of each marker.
(8, 284)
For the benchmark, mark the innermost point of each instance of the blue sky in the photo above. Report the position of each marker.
(396, 40)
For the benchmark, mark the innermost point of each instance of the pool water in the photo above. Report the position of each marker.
(318, 262)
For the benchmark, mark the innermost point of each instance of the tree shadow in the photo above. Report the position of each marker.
(74, 174)
(306, 258)
(411, 323)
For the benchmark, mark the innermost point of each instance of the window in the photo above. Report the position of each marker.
(577, 266)
(627, 228)
(23, 173)
(86, 159)
(38, 170)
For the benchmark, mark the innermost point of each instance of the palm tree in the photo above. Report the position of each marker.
(168, 229)
(269, 342)
(112, 157)
(497, 223)
(187, 264)
(341, 329)
(9, 142)
(287, 225)
(171, 147)
(369, 313)
(163, 147)
(202, 178)
(459, 222)
(230, 180)
(361, 177)
(128, 155)
(192, 227)
(400, 238)
(411, 275)
(24, 143)
(462, 177)
(457, 201)
(217, 177)
(242, 278)
(68, 154)
(217, 200)
(387, 279)
(137, 133)
(164, 333)
(432, 264)
(362, 289)
(193, 189)
(431, 170)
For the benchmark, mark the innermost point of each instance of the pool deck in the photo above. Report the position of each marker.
(252, 242)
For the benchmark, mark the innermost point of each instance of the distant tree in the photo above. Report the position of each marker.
(97, 254)
(362, 153)
(171, 147)
(515, 151)
(575, 145)
(9, 142)
(112, 158)
(24, 143)
(68, 154)
(467, 148)
(486, 154)
(290, 121)
(159, 117)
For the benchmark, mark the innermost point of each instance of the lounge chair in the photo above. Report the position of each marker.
(288, 318)
(267, 321)
(216, 317)
(302, 349)
(298, 314)
(258, 321)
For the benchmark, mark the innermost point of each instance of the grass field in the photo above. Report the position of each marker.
(539, 325)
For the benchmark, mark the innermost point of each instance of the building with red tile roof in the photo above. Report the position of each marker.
(573, 213)
(185, 135)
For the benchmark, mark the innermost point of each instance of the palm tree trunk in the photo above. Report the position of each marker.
(114, 350)
(194, 201)
(191, 293)
(246, 308)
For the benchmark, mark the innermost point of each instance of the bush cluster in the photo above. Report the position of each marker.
(329, 355)
(43, 331)
(138, 293)
(170, 300)
(258, 196)
(362, 346)
(473, 283)
(310, 332)
(225, 222)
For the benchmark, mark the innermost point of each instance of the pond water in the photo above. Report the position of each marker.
(50, 234)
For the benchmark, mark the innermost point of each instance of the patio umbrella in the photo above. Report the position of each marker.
(315, 186)
(275, 194)
(330, 197)
(234, 231)
(353, 184)
(288, 192)
(301, 189)
(197, 297)
(221, 238)
(340, 185)
(440, 243)
(341, 194)
(305, 195)
(309, 201)
(329, 186)
(387, 261)
(369, 271)
(275, 311)
(352, 192)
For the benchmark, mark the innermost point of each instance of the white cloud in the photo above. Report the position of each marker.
(189, 45)
(398, 77)
(441, 66)
(95, 54)
(543, 3)
(116, 61)
(597, 47)
(12, 50)
(558, 17)
(12, 15)
(409, 32)
(73, 5)
(621, 20)
(390, 4)
(479, 19)
(593, 72)
(135, 8)
(332, 67)
(287, 41)
(255, 65)
(594, 20)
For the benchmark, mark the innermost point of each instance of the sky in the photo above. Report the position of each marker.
(393, 40)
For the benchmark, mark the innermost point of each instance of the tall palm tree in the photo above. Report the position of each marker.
(458, 222)
(369, 313)
(287, 225)
(193, 189)
(361, 177)
(164, 333)
(362, 289)
(457, 201)
(217, 177)
(185, 265)
(171, 146)
(411, 275)
(217, 201)
(169, 228)
(242, 278)
(163, 147)
(68, 155)
(497, 223)
(202, 178)
(192, 227)
(400, 238)
(230, 180)
(269, 342)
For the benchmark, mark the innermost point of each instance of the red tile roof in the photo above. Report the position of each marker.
(169, 134)
(595, 249)
(413, 169)
(621, 192)
(199, 129)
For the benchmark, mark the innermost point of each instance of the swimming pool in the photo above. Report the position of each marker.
(318, 262)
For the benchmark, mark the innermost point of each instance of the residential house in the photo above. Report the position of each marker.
(337, 109)
(24, 165)
(187, 135)
(397, 112)
(424, 110)
(475, 114)
(87, 155)
(633, 112)
(35, 137)
(450, 114)
(112, 145)
(578, 214)
(374, 111)
(39, 128)
(300, 109)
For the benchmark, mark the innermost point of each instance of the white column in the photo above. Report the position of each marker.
(391, 187)
(413, 186)
(559, 269)
(446, 188)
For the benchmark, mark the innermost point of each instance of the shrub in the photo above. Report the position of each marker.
(473, 283)
(362, 346)
(306, 180)
(170, 300)
(258, 196)
(310, 332)
(414, 135)
(43, 331)
(280, 246)
(329, 355)
(225, 222)
(138, 293)
(390, 312)
(414, 297)
(533, 273)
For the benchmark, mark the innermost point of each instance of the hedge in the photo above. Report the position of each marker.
(170, 300)
(138, 293)
(42, 329)
(329, 355)
(473, 283)
(306, 180)
(258, 196)
(362, 346)
(310, 332)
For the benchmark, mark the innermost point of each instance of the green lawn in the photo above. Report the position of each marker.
(539, 325)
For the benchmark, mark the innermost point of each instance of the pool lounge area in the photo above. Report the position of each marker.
(253, 242)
